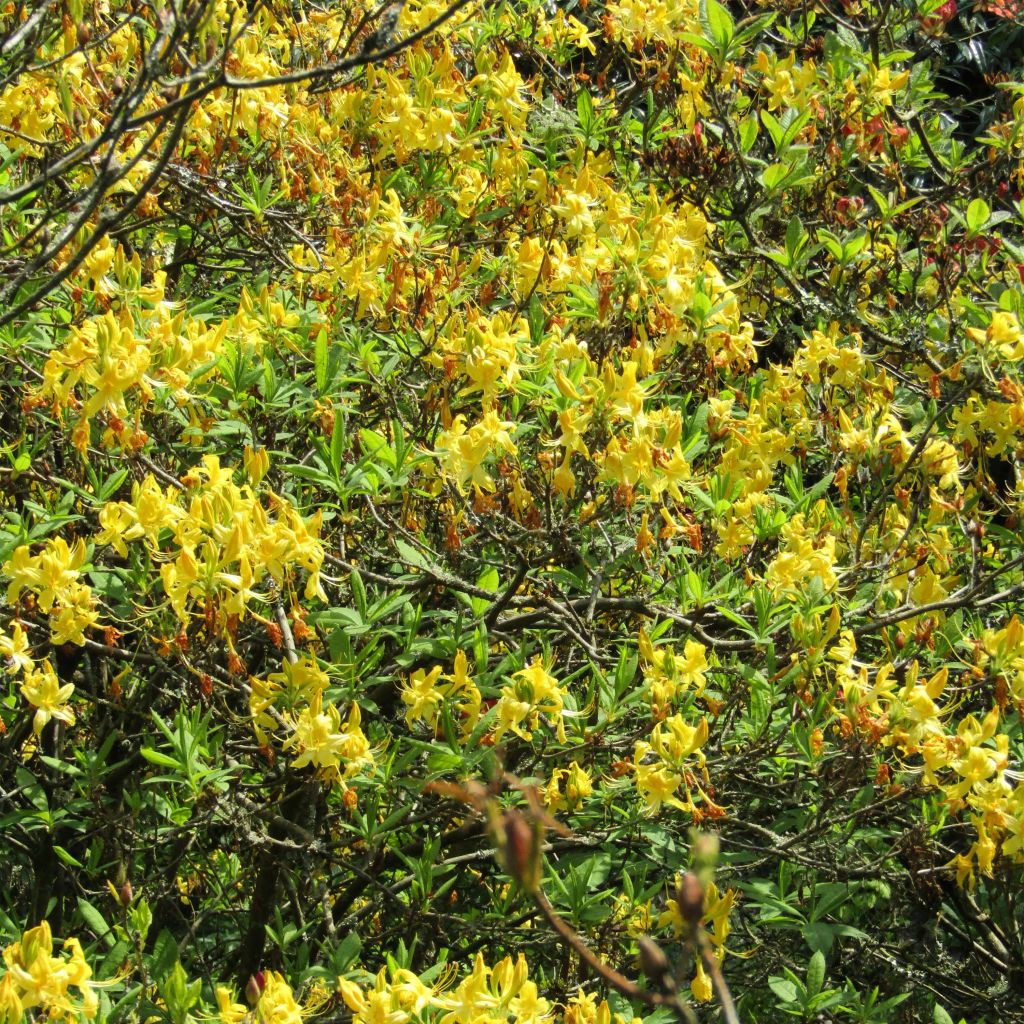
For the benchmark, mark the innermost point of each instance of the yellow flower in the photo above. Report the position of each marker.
(691, 667)
(940, 459)
(535, 692)
(49, 574)
(16, 650)
(577, 32)
(36, 978)
(879, 84)
(568, 788)
(461, 684)
(43, 691)
(277, 1003)
(701, 985)
(529, 1007)
(11, 1009)
(675, 739)
(655, 781)
(352, 994)
(317, 736)
(229, 1012)
(76, 613)
(422, 696)
(462, 452)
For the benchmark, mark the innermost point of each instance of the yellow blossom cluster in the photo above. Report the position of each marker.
(276, 1003)
(216, 541)
(40, 686)
(503, 994)
(664, 765)
(53, 577)
(802, 558)
(293, 706)
(787, 82)
(576, 230)
(111, 366)
(427, 693)
(538, 295)
(36, 980)
(669, 675)
(568, 788)
(966, 759)
(649, 21)
(534, 692)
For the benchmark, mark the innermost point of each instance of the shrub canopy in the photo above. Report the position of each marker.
(487, 489)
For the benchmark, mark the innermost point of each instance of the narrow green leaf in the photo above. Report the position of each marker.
(816, 973)
(321, 355)
(157, 758)
(359, 593)
(96, 922)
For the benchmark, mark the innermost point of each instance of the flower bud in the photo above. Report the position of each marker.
(256, 462)
(36, 943)
(653, 961)
(690, 899)
(521, 850)
(254, 987)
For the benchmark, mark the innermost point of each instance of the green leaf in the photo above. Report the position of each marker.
(785, 990)
(819, 936)
(95, 920)
(707, 45)
(66, 857)
(359, 593)
(141, 917)
(320, 359)
(816, 973)
(165, 954)
(337, 444)
(378, 447)
(796, 238)
(978, 213)
(718, 24)
(345, 618)
(940, 1016)
(585, 111)
(410, 555)
(748, 132)
(774, 175)
(157, 758)
(756, 27)
(111, 485)
(775, 130)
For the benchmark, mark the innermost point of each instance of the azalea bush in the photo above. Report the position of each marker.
(510, 511)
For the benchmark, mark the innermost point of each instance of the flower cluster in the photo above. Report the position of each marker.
(427, 693)
(295, 701)
(967, 759)
(216, 542)
(36, 980)
(717, 908)
(502, 994)
(53, 578)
